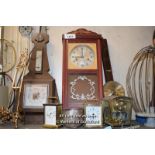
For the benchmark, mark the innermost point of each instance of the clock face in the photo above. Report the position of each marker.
(50, 115)
(35, 95)
(25, 30)
(82, 56)
(93, 115)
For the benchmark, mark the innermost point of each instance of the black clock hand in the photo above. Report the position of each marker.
(82, 53)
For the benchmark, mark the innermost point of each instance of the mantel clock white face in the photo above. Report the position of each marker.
(93, 115)
(82, 56)
(50, 115)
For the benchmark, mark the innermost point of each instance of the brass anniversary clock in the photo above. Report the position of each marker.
(82, 68)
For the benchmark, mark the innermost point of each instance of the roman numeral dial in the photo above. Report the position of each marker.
(82, 56)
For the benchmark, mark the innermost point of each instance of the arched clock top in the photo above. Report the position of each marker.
(83, 33)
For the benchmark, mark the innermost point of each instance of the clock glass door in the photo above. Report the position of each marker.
(82, 87)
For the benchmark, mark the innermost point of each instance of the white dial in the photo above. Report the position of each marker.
(82, 56)
(50, 115)
(93, 115)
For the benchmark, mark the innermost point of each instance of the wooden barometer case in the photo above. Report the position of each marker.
(38, 85)
(82, 68)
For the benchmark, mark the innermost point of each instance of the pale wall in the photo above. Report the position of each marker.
(123, 42)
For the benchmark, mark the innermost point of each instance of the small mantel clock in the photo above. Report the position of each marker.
(38, 85)
(82, 68)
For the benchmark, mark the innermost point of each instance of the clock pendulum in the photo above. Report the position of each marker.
(38, 84)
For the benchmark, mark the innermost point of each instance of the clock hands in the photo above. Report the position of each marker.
(82, 56)
(51, 114)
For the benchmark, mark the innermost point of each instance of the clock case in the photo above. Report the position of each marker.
(93, 104)
(58, 115)
(82, 36)
(117, 110)
(35, 115)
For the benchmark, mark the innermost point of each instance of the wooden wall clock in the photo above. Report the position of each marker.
(38, 85)
(82, 68)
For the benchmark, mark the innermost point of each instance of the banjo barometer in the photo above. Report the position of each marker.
(38, 84)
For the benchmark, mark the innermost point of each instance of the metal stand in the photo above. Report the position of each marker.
(12, 113)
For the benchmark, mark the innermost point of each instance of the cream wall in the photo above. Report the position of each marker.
(123, 43)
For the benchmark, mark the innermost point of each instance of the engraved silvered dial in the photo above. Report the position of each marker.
(82, 56)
